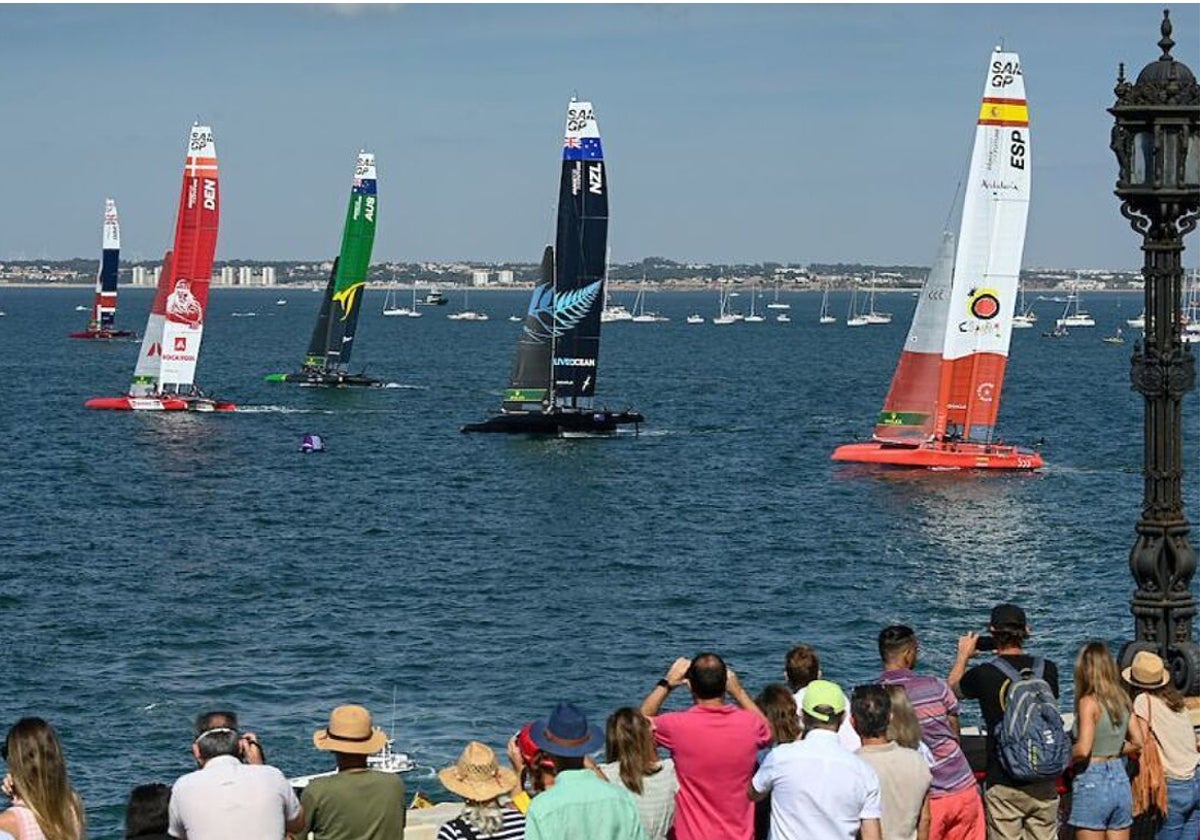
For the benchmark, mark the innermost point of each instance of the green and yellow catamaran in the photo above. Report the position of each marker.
(325, 363)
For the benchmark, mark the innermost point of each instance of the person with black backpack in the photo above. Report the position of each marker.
(1027, 744)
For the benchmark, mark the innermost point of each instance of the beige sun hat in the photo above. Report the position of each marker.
(350, 731)
(1147, 671)
(477, 775)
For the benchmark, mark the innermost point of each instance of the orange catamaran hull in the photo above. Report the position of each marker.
(946, 456)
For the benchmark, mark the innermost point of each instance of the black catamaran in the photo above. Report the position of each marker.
(553, 381)
(333, 336)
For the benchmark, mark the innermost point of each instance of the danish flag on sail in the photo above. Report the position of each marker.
(165, 373)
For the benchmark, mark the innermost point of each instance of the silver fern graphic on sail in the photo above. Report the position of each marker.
(552, 317)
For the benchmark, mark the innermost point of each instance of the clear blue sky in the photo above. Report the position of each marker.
(796, 133)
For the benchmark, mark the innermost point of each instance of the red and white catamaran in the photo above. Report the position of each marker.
(104, 306)
(940, 411)
(164, 378)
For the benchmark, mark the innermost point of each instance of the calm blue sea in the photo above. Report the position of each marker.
(158, 565)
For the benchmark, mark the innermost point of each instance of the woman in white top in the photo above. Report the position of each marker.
(634, 764)
(1159, 712)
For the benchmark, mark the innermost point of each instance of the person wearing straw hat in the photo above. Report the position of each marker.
(479, 779)
(356, 803)
(580, 805)
(1159, 710)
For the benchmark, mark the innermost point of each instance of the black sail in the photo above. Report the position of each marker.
(319, 344)
(529, 385)
(582, 240)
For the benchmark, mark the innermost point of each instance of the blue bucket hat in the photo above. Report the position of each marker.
(566, 733)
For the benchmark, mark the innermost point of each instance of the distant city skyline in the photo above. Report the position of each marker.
(733, 133)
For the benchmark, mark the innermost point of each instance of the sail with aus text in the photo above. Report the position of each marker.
(944, 398)
(164, 376)
(329, 349)
(553, 384)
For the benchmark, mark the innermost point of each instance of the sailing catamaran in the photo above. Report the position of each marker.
(164, 377)
(940, 411)
(104, 307)
(553, 382)
(337, 322)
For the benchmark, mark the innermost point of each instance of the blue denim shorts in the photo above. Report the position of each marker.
(1101, 798)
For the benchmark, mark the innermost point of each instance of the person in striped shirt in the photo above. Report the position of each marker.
(481, 781)
(956, 809)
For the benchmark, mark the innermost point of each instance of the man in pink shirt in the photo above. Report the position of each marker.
(715, 748)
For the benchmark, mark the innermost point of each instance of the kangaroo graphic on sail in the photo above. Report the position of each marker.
(941, 409)
(337, 321)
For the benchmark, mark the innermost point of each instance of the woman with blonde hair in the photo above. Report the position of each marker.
(903, 726)
(44, 805)
(1159, 713)
(1101, 800)
(633, 763)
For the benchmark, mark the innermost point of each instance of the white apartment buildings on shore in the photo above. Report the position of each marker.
(228, 276)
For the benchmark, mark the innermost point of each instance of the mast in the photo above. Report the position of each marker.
(105, 305)
(987, 265)
(580, 248)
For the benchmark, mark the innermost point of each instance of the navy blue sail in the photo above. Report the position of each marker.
(582, 241)
(529, 384)
(553, 380)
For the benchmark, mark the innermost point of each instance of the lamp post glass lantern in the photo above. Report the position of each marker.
(1156, 140)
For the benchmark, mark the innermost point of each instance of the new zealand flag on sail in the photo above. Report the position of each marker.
(582, 148)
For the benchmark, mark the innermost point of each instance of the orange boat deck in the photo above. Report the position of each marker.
(942, 455)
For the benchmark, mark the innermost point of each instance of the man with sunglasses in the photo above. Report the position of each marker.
(234, 793)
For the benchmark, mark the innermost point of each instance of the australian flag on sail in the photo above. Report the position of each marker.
(582, 148)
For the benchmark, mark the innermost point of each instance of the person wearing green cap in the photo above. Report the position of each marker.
(819, 790)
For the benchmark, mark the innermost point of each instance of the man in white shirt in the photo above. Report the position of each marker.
(227, 798)
(819, 790)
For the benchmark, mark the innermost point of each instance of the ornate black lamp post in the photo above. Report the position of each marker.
(1157, 143)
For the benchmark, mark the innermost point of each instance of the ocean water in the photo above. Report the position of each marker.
(155, 566)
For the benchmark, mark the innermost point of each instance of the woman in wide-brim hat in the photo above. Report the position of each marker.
(479, 779)
(1159, 711)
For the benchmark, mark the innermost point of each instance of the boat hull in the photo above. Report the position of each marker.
(163, 403)
(104, 335)
(562, 423)
(947, 456)
(326, 379)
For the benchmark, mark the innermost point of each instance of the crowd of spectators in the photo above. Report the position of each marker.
(802, 761)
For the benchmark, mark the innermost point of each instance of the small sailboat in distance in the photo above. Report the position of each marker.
(104, 307)
(553, 383)
(337, 321)
(940, 411)
(164, 377)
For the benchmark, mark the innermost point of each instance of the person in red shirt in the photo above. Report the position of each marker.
(714, 745)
